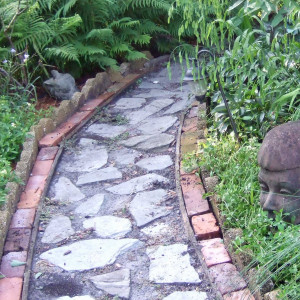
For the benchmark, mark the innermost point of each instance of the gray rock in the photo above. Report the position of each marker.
(125, 156)
(89, 254)
(130, 103)
(86, 297)
(88, 159)
(155, 163)
(149, 142)
(65, 190)
(61, 86)
(179, 106)
(157, 230)
(58, 229)
(157, 125)
(99, 175)
(106, 130)
(109, 226)
(148, 206)
(190, 295)
(91, 206)
(156, 93)
(137, 184)
(90, 143)
(114, 283)
(150, 109)
(171, 264)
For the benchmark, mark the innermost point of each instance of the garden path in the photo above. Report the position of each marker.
(111, 226)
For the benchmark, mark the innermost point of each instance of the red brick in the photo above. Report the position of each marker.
(23, 218)
(7, 270)
(205, 227)
(190, 125)
(17, 240)
(42, 167)
(37, 182)
(11, 288)
(48, 153)
(240, 295)
(92, 104)
(79, 117)
(55, 137)
(227, 278)
(30, 199)
(214, 252)
(193, 191)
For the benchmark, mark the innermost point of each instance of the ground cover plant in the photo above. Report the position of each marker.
(257, 50)
(274, 244)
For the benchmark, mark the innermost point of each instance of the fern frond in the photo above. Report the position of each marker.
(119, 48)
(134, 55)
(142, 39)
(104, 34)
(124, 23)
(65, 52)
(103, 61)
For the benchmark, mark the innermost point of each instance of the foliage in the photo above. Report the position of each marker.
(275, 243)
(257, 49)
(83, 35)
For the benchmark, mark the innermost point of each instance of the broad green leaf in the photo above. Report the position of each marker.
(236, 4)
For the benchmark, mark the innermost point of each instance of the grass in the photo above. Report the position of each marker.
(274, 243)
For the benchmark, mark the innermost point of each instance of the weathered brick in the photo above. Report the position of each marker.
(193, 191)
(17, 240)
(214, 252)
(227, 278)
(23, 218)
(190, 125)
(239, 295)
(42, 167)
(30, 199)
(92, 104)
(36, 182)
(205, 227)
(11, 288)
(189, 141)
(79, 117)
(193, 112)
(48, 153)
(7, 270)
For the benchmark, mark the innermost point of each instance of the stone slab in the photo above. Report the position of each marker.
(99, 175)
(157, 230)
(227, 278)
(91, 206)
(115, 283)
(124, 156)
(148, 206)
(88, 159)
(153, 93)
(137, 184)
(189, 295)
(149, 142)
(109, 226)
(65, 190)
(157, 125)
(106, 130)
(129, 103)
(89, 254)
(149, 85)
(155, 106)
(58, 229)
(155, 163)
(179, 106)
(171, 264)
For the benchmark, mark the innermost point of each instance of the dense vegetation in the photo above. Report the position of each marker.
(257, 48)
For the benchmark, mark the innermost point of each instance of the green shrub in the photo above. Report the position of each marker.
(275, 243)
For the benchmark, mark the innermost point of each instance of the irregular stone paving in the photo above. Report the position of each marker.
(110, 226)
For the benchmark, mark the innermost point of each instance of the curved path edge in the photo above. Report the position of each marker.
(198, 215)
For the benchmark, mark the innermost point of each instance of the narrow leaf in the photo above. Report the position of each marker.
(17, 263)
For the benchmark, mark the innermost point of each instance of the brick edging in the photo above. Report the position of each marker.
(37, 169)
(200, 222)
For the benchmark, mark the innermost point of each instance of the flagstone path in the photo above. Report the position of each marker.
(111, 227)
